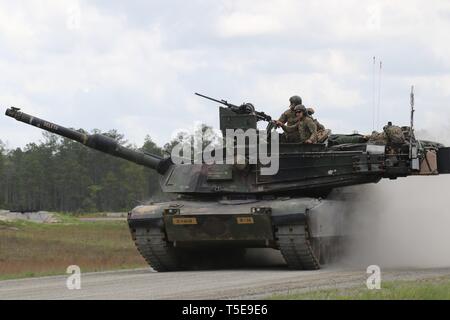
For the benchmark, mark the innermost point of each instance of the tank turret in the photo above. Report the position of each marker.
(303, 169)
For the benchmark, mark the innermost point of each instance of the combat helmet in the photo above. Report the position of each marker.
(295, 100)
(310, 111)
(299, 108)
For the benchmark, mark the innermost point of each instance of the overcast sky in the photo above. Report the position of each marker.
(134, 65)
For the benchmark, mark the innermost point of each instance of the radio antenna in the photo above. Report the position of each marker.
(373, 94)
(411, 126)
(379, 95)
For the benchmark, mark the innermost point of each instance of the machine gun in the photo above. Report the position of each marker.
(245, 108)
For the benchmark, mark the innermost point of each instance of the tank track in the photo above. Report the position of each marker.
(296, 248)
(152, 245)
(293, 242)
(162, 256)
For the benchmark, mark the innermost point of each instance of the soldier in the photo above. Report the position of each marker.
(288, 117)
(305, 126)
(310, 112)
(322, 133)
(376, 138)
(394, 134)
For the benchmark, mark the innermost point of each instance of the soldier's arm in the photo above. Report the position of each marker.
(283, 118)
(319, 126)
(292, 128)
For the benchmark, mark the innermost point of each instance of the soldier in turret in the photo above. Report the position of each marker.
(322, 133)
(305, 127)
(289, 118)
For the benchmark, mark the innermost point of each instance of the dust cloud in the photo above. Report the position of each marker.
(439, 134)
(392, 224)
(401, 223)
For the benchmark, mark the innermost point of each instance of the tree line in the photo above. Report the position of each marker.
(58, 174)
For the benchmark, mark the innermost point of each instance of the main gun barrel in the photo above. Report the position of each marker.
(94, 141)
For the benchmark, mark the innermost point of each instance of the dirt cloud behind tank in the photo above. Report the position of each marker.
(403, 223)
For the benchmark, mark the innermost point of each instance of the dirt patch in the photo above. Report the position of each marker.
(39, 217)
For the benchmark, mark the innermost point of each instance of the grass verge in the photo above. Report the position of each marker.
(426, 289)
(31, 249)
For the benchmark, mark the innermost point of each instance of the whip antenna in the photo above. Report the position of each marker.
(411, 127)
(373, 94)
(413, 149)
(379, 95)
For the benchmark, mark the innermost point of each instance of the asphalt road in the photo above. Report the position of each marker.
(216, 284)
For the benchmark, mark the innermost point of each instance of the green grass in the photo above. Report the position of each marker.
(429, 289)
(30, 249)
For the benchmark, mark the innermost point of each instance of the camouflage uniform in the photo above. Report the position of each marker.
(377, 138)
(306, 129)
(319, 126)
(288, 117)
(391, 135)
(394, 134)
(322, 133)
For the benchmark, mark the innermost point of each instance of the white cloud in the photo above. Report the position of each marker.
(334, 62)
(316, 89)
(244, 24)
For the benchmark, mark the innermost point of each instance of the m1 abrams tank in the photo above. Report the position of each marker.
(222, 209)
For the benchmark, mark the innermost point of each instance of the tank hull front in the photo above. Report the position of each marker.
(178, 231)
